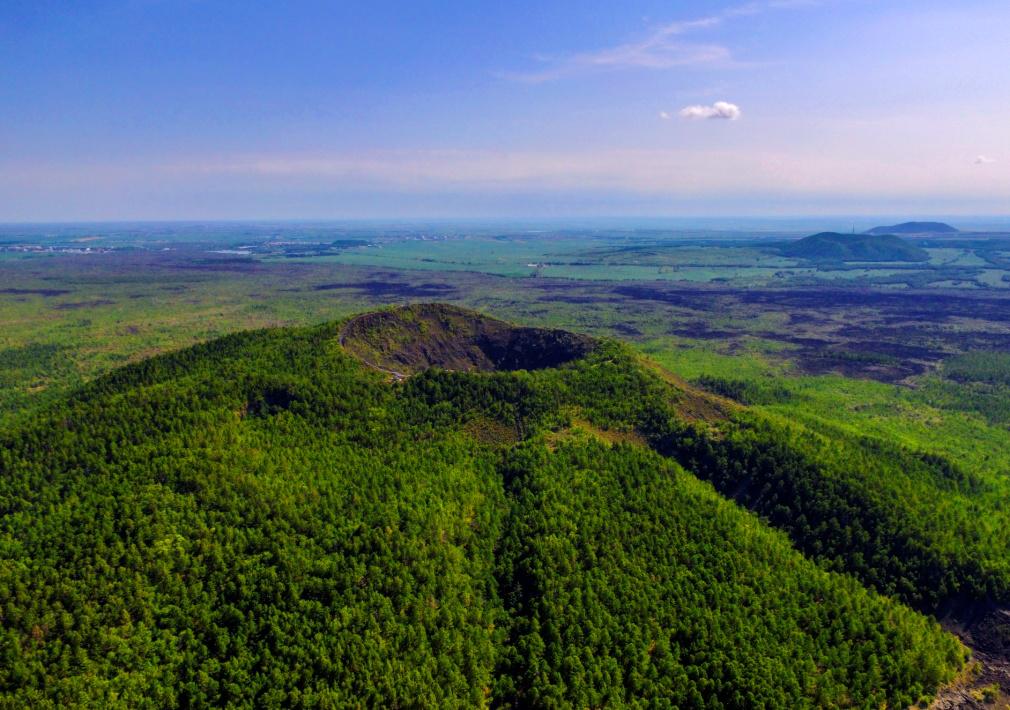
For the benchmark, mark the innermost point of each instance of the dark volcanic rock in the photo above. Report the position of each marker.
(413, 338)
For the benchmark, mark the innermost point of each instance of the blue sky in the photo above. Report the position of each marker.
(213, 109)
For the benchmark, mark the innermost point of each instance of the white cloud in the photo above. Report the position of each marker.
(654, 53)
(664, 115)
(984, 160)
(662, 48)
(720, 109)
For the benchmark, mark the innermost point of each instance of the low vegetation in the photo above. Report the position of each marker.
(991, 368)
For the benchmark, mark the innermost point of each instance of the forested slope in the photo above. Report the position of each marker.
(263, 521)
(620, 567)
(910, 523)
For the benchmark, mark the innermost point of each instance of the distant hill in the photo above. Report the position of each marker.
(914, 228)
(832, 246)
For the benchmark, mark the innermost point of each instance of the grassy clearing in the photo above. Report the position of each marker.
(693, 358)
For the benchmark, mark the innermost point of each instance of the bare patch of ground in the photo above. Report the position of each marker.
(582, 428)
(985, 629)
(693, 403)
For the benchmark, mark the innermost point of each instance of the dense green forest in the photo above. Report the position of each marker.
(626, 578)
(263, 521)
(27, 371)
(909, 523)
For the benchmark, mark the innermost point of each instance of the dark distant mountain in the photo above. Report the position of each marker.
(914, 228)
(832, 246)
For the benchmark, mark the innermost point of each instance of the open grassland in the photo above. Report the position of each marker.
(635, 256)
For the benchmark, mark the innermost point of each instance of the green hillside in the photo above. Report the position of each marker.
(264, 521)
(835, 247)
